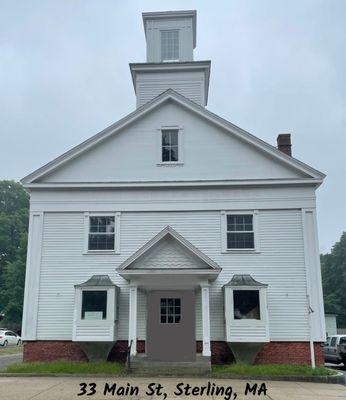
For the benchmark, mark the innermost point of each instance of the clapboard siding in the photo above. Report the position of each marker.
(280, 264)
(189, 84)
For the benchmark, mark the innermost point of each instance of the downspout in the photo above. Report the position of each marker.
(308, 294)
(312, 349)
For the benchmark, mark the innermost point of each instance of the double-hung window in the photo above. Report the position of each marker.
(240, 232)
(102, 232)
(170, 45)
(170, 147)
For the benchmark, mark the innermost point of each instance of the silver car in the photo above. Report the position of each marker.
(331, 349)
(8, 338)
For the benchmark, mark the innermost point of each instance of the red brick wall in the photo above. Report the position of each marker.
(272, 353)
(52, 350)
(297, 353)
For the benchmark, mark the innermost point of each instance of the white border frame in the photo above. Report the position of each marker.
(87, 216)
(255, 217)
(180, 161)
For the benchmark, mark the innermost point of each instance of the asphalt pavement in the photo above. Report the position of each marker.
(6, 360)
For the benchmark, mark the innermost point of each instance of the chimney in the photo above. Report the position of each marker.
(284, 143)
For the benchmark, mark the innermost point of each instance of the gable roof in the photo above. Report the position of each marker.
(169, 231)
(171, 95)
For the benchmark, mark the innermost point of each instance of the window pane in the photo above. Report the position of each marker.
(174, 153)
(173, 137)
(94, 304)
(165, 138)
(166, 154)
(240, 240)
(246, 304)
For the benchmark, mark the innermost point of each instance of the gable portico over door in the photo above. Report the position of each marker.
(170, 269)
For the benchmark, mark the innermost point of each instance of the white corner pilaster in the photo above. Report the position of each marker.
(205, 320)
(133, 319)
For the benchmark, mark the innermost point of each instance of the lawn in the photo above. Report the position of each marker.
(64, 367)
(4, 351)
(269, 370)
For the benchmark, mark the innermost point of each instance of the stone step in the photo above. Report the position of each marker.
(141, 366)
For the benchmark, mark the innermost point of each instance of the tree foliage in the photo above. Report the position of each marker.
(333, 266)
(14, 206)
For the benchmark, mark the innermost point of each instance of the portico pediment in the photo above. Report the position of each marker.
(169, 253)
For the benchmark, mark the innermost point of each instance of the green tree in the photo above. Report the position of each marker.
(14, 205)
(333, 266)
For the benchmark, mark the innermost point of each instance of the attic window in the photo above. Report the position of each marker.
(170, 148)
(170, 45)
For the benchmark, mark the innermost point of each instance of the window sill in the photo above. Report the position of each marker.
(101, 252)
(240, 251)
(170, 164)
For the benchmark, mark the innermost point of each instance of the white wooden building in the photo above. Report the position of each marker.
(174, 225)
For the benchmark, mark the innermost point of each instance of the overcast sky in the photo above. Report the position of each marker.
(277, 67)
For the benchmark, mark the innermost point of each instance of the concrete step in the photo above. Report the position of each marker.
(141, 366)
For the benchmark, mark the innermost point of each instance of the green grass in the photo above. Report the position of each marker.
(10, 350)
(269, 370)
(65, 367)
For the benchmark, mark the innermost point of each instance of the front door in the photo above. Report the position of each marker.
(171, 326)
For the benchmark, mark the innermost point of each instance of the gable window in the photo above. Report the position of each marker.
(94, 304)
(246, 304)
(240, 231)
(170, 45)
(170, 148)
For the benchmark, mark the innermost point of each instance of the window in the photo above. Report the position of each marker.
(94, 304)
(170, 311)
(246, 304)
(170, 145)
(240, 231)
(342, 340)
(101, 234)
(170, 45)
(333, 342)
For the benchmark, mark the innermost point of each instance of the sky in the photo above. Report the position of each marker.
(277, 67)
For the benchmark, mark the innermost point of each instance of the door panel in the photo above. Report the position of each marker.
(171, 326)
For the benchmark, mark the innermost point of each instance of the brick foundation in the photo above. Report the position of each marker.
(297, 353)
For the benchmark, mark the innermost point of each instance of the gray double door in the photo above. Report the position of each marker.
(171, 326)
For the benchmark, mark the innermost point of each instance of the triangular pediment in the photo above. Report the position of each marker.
(124, 153)
(168, 250)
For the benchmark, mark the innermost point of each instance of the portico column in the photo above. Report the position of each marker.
(133, 319)
(205, 319)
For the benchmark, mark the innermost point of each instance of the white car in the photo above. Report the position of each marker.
(8, 338)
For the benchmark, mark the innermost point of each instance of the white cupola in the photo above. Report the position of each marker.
(171, 39)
